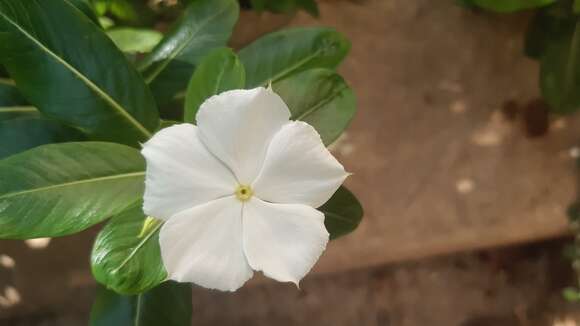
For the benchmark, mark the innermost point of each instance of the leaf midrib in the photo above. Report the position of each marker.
(138, 247)
(112, 103)
(322, 102)
(180, 49)
(72, 183)
(340, 218)
(17, 109)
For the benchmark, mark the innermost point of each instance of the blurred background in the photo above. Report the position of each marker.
(464, 176)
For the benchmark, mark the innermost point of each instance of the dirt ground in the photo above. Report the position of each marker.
(452, 157)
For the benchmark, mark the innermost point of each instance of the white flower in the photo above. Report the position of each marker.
(239, 191)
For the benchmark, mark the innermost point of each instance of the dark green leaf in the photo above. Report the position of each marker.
(283, 53)
(135, 40)
(505, 6)
(111, 309)
(342, 213)
(18, 135)
(15, 112)
(550, 25)
(126, 255)
(310, 6)
(86, 8)
(320, 97)
(205, 25)
(60, 189)
(70, 70)
(560, 73)
(9, 94)
(220, 71)
(169, 304)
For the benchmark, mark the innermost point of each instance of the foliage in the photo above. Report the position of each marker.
(76, 102)
(553, 40)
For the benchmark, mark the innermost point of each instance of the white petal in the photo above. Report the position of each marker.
(237, 127)
(203, 245)
(283, 240)
(298, 169)
(181, 172)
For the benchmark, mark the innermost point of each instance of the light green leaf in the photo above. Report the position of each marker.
(169, 304)
(321, 98)
(135, 40)
(342, 213)
(18, 135)
(286, 52)
(220, 71)
(60, 189)
(68, 68)
(204, 26)
(126, 255)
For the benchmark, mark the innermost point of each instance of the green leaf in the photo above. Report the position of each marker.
(126, 255)
(220, 71)
(342, 213)
(286, 52)
(310, 6)
(9, 94)
(506, 6)
(560, 73)
(86, 8)
(576, 7)
(111, 308)
(550, 25)
(18, 135)
(69, 69)
(205, 25)
(15, 112)
(135, 40)
(169, 304)
(60, 189)
(321, 98)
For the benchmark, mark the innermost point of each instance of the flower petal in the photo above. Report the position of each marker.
(181, 172)
(238, 125)
(203, 245)
(283, 240)
(298, 169)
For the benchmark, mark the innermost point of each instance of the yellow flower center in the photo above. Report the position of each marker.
(244, 193)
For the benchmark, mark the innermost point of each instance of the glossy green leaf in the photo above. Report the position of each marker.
(87, 8)
(321, 98)
(21, 134)
(169, 304)
(16, 112)
(9, 94)
(560, 73)
(135, 40)
(342, 213)
(220, 71)
(60, 189)
(69, 69)
(204, 26)
(505, 6)
(286, 52)
(126, 255)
